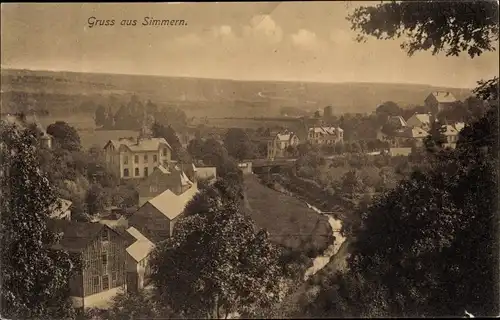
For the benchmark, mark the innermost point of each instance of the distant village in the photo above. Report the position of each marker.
(116, 244)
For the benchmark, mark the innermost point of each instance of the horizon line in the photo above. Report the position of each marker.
(231, 79)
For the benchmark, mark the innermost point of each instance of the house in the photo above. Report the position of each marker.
(325, 135)
(438, 101)
(61, 210)
(451, 135)
(205, 173)
(277, 147)
(394, 152)
(157, 217)
(397, 121)
(245, 167)
(421, 120)
(101, 275)
(410, 135)
(136, 158)
(162, 179)
(138, 267)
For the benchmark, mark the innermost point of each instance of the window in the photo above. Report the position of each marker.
(153, 189)
(125, 172)
(104, 258)
(136, 159)
(146, 158)
(145, 172)
(136, 172)
(114, 276)
(165, 152)
(95, 285)
(105, 283)
(155, 158)
(105, 235)
(125, 160)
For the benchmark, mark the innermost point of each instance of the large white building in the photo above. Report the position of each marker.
(325, 135)
(136, 158)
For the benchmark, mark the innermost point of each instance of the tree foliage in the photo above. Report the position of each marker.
(216, 263)
(125, 305)
(429, 247)
(449, 26)
(65, 136)
(238, 144)
(34, 277)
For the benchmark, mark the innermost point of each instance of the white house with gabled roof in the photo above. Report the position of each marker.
(137, 157)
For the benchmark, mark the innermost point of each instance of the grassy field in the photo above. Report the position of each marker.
(81, 122)
(288, 220)
(216, 97)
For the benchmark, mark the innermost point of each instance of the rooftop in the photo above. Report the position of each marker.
(76, 235)
(136, 145)
(141, 248)
(172, 205)
(424, 118)
(326, 130)
(59, 209)
(443, 96)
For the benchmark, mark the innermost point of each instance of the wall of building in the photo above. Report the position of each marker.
(206, 173)
(158, 182)
(99, 276)
(151, 223)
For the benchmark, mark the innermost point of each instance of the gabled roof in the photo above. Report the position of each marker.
(138, 145)
(411, 132)
(443, 96)
(141, 248)
(60, 207)
(399, 120)
(162, 169)
(459, 126)
(172, 205)
(424, 118)
(76, 235)
(325, 130)
(449, 130)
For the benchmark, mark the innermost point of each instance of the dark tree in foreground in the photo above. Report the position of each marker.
(141, 305)
(65, 136)
(216, 264)
(34, 278)
(452, 27)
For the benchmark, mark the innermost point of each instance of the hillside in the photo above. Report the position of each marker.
(211, 97)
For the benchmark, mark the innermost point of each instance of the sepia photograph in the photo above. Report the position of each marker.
(249, 160)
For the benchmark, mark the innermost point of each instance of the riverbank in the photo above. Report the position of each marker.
(338, 240)
(289, 221)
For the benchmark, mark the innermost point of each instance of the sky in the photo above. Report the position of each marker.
(288, 41)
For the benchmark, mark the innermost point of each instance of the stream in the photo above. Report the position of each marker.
(321, 261)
